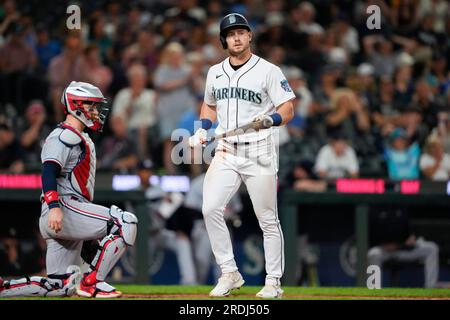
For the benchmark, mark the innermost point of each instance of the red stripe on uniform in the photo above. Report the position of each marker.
(82, 211)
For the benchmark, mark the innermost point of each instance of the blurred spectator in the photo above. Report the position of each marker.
(434, 162)
(302, 103)
(98, 36)
(16, 55)
(427, 38)
(143, 51)
(118, 152)
(337, 159)
(404, 17)
(424, 99)
(393, 241)
(347, 35)
(11, 154)
(347, 114)
(10, 16)
(276, 33)
(33, 132)
(303, 178)
(403, 81)
(17, 62)
(212, 49)
(89, 68)
(384, 115)
(172, 82)
(62, 71)
(113, 18)
(306, 17)
(402, 156)
(199, 70)
(312, 59)
(443, 130)
(46, 48)
(438, 75)
(137, 105)
(438, 9)
(380, 53)
(365, 85)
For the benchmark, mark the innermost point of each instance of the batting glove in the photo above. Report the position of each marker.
(199, 138)
(266, 120)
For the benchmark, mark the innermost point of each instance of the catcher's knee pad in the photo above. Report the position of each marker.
(124, 224)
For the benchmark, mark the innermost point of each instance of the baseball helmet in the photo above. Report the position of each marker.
(79, 93)
(231, 21)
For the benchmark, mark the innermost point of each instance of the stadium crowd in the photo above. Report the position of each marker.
(370, 102)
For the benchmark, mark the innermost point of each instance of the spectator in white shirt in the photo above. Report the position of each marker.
(137, 105)
(434, 163)
(337, 159)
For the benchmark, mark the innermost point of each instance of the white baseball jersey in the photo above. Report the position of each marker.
(256, 88)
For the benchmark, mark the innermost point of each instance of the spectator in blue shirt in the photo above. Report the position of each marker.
(402, 156)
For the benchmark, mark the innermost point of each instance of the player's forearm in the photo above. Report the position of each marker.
(50, 172)
(286, 111)
(208, 112)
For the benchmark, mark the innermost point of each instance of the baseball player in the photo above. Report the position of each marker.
(241, 89)
(68, 216)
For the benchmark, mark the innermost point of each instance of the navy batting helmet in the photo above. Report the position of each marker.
(231, 21)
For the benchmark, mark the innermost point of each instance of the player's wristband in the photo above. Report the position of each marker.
(206, 123)
(276, 117)
(52, 199)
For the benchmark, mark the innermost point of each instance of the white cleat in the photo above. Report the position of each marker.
(227, 282)
(71, 283)
(270, 292)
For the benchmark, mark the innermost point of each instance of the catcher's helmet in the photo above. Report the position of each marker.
(79, 93)
(231, 21)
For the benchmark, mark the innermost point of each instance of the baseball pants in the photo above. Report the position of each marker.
(255, 165)
(82, 221)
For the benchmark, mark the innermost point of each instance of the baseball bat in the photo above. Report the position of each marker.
(255, 125)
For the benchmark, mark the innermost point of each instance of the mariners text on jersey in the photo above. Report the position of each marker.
(237, 93)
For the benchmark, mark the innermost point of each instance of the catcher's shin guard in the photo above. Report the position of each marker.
(58, 286)
(122, 230)
(112, 248)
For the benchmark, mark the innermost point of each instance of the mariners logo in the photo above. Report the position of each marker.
(285, 86)
(232, 19)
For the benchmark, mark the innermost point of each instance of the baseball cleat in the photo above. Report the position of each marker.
(270, 292)
(71, 283)
(98, 290)
(227, 282)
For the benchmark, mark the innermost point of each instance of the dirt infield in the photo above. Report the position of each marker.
(285, 297)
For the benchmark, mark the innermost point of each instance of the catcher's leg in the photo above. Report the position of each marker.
(53, 286)
(121, 233)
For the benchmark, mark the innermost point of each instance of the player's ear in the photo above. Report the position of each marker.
(250, 35)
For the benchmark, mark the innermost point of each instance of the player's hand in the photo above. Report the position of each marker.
(266, 120)
(199, 138)
(55, 219)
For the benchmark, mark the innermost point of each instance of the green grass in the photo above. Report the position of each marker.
(294, 291)
(290, 293)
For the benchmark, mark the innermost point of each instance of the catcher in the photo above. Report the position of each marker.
(68, 217)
